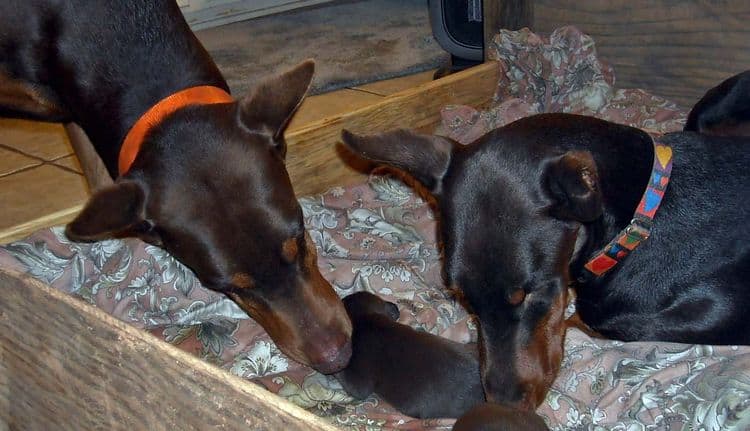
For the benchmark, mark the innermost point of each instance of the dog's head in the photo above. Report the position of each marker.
(509, 213)
(365, 303)
(498, 417)
(210, 186)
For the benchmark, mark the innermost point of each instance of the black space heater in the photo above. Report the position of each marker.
(457, 26)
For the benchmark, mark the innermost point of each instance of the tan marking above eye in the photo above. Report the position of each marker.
(242, 280)
(517, 297)
(289, 250)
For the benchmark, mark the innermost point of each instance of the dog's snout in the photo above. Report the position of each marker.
(331, 356)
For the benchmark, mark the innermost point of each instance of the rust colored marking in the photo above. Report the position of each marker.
(538, 362)
(517, 297)
(289, 250)
(242, 280)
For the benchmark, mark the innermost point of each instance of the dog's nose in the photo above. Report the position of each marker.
(331, 357)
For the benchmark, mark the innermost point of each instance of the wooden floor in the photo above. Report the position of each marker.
(41, 183)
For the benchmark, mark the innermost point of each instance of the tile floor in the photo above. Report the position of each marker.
(41, 183)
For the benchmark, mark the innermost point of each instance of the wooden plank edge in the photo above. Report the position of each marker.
(488, 73)
(141, 341)
(22, 230)
(222, 14)
(313, 147)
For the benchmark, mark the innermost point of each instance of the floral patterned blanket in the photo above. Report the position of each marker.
(380, 237)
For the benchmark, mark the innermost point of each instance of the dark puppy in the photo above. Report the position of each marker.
(527, 208)
(497, 417)
(421, 375)
(724, 110)
(198, 173)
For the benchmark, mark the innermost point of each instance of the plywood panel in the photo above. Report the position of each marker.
(202, 14)
(675, 49)
(69, 366)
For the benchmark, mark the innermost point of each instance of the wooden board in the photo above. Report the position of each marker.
(201, 14)
(65, 365)
(316, 163)
(507, 14)
(675, 49)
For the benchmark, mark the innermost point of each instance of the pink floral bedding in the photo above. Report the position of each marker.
(380, 237)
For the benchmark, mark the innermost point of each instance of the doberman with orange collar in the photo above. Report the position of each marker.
(558, 200)
(197, 172)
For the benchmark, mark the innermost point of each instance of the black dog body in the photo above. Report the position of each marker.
(420, 374)
(689, 281)
(525, 206)
(100, 63)
(209, 183)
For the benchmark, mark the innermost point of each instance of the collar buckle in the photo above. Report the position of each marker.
(639, 229)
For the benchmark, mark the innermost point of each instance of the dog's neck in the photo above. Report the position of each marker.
(108, 127)
(155, 116)
(108, 91)
(622, 186)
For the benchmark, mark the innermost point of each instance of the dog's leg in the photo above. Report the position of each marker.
(92, 165)
(575, 321)
(23, 100)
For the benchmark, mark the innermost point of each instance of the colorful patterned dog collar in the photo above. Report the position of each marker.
(639, 228)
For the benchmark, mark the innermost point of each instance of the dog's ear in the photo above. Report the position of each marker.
(272, 103)
(724, 110)
(115, 210)
(424, 157)
(573, 184)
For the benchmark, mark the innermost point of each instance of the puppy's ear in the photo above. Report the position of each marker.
(573, 185)
(272, 103)
(424, 157)
(116, 210)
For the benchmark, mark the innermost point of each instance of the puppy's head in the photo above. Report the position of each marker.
(498, 417)
(510, 207)
(362, 304)
(210, 186)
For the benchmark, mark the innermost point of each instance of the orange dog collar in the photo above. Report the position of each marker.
(201, 95)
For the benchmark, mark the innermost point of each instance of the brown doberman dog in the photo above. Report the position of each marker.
(651, 233)
(196, 172)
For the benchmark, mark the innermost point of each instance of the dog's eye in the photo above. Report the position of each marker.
(517, 296)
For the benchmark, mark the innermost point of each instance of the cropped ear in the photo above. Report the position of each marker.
(573, 184)
(272, 103)
(115, 210)
(424, 157)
